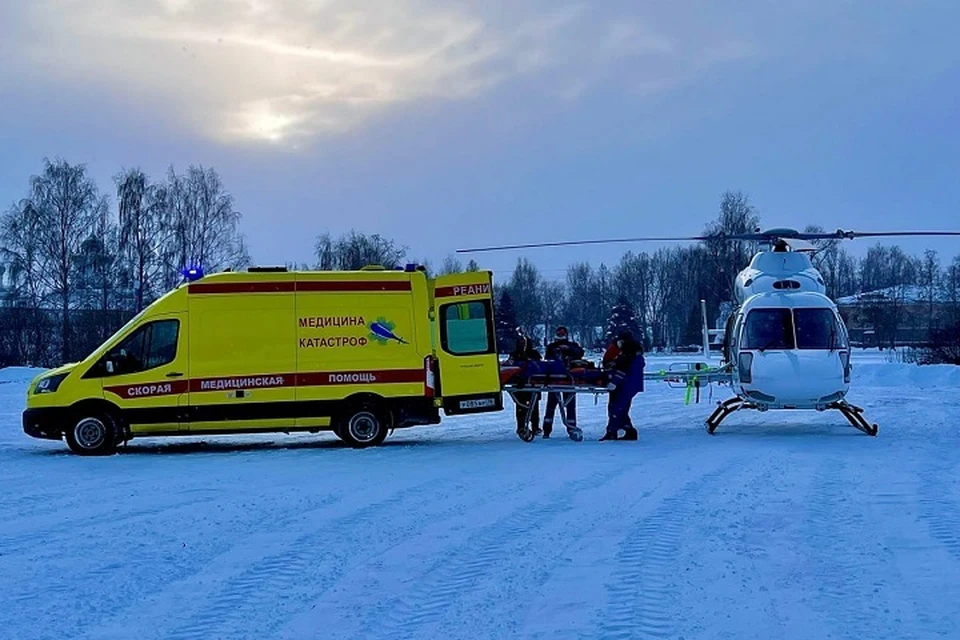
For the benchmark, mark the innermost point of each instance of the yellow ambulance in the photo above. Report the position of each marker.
(358, 353)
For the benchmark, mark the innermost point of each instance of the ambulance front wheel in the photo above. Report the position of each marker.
(365, 425)
(92, 434)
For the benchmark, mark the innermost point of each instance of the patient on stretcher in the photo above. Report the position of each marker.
(552, 372)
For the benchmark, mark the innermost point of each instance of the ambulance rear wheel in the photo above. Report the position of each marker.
(363, 426)
(92, 435)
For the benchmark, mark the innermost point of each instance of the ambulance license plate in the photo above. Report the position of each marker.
(478, 404)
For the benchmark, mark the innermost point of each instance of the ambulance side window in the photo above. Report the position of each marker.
(466, 328)
(152, 345)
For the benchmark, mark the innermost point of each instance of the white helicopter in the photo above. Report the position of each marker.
(785, 345)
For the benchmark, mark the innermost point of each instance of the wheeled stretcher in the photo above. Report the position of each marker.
(527, 382)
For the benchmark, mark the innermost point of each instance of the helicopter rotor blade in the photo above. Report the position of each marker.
(569, 243)
(850, 235)
(769, 237)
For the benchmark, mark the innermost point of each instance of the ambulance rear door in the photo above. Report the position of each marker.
(466, 346)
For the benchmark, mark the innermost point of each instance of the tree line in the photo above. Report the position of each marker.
(74, 266)
(76, 263)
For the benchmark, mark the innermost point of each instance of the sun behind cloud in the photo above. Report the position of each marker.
(287, 71)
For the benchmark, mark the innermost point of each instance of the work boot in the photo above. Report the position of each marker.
(547, 430)
(610, 435)
(630, 433)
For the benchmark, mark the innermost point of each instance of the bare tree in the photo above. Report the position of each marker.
(141, 207)
(888, 273)
(68, 204)
(951, 291)
(203, 224)
(355, 251)
(450, 265)
(96, 277)
(525, 292)
(553, 295)
(581, 313)
(728, 257)
(20, 237)
(929, 278)
(632, 283)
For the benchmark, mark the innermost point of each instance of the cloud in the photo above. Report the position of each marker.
(284, 71)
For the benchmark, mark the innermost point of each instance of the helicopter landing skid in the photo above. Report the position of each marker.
(852, 413)
(724, 409)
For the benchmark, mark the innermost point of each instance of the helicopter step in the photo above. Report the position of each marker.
(852, 413)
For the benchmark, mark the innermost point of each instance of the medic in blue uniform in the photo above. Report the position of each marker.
(625, 362)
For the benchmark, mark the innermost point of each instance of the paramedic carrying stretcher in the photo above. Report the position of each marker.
(566, 351)
(526, 376)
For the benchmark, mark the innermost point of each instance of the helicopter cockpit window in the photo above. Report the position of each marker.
(818, 329)
(768, 329)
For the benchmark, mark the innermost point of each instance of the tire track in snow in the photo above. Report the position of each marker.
(450, 581)
(738, 535)
(639, 593)
(286, 582)
(940, 508)
(68, 528)
(44, 502)
(124, 579)
(846, 589)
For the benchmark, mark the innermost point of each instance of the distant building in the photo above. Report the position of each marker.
(895, 316)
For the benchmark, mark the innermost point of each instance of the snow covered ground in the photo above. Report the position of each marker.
(788, 525)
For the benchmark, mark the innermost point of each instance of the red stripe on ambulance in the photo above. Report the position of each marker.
(241, 287)
(243, 382)
(477, 289)
(269, 381)
(343, 286)
(391, 376)
(148, 389)
(354, 285)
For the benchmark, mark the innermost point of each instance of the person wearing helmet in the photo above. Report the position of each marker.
(566, 351)
(625, 362)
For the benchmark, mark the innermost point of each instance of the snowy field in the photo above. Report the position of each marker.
(785, 525)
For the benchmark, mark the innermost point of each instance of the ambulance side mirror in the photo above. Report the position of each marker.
(110, 367)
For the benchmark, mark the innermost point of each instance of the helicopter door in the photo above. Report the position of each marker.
(729, 337)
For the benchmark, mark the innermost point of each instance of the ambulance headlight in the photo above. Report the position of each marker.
(49, 384)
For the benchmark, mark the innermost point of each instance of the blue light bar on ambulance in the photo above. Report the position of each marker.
(192, 274)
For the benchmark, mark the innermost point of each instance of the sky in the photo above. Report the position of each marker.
(446, 126)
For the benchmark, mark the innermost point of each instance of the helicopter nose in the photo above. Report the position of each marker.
(796, 378)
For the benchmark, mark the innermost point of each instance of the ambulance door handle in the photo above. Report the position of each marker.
(174, 374)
